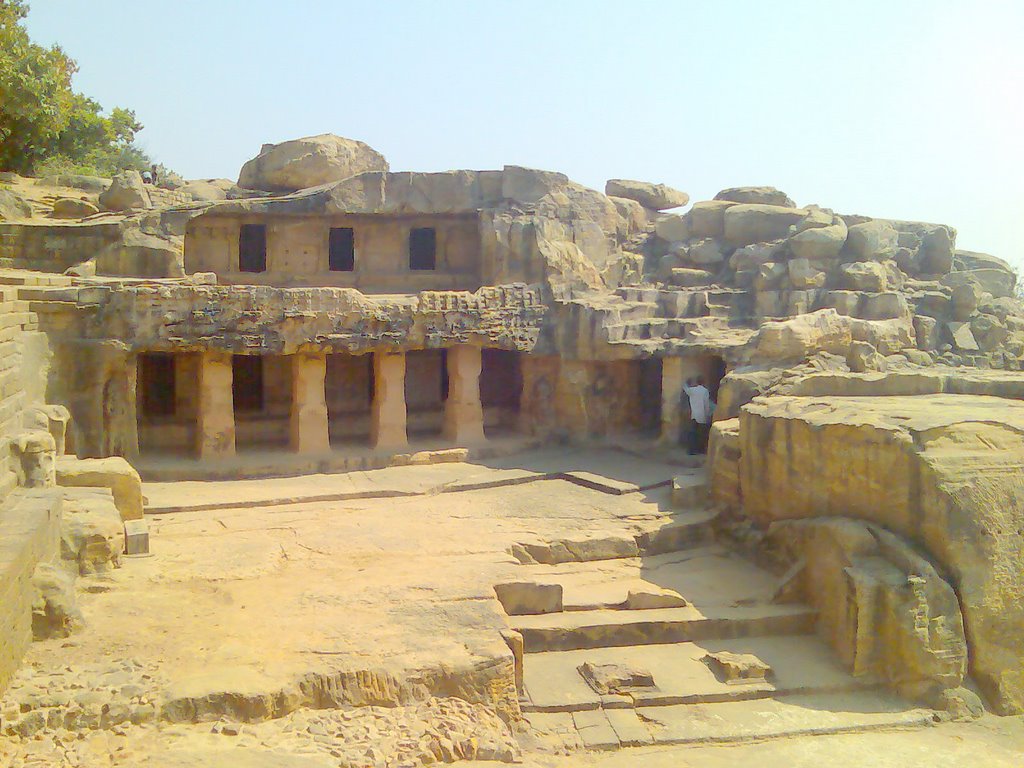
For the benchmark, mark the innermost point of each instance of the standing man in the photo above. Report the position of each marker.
(700, 415)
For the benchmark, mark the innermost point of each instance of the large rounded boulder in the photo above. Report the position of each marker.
(309, 162)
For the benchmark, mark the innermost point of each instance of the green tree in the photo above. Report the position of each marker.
(35, 92)
(45, 125)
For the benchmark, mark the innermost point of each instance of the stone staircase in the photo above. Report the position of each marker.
(680, 644)
(663, 317)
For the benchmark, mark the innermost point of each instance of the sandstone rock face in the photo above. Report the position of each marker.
(56, 612)
(883, 607)
(309, 162)
(126, 193)
(13, 206)
(759, 195)
(72, 208)
(657, 197)
(945, 472)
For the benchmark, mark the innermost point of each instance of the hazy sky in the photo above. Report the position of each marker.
(901, 108)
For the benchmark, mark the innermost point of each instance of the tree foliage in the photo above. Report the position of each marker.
(46, 125)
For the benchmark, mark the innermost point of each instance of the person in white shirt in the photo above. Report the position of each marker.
(701, 409)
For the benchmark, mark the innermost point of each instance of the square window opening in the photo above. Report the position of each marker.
(423, 248)
(341, 249)
(252, 248)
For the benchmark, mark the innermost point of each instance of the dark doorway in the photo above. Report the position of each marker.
(501, 388)
(716, 371)
(341, 249)
(349, 392)
(252, 248)
(649, 395)
(247, 383)
(423, 248)
(157, 384)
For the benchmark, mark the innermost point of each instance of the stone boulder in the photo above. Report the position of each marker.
(92, 533)
(634, 214)
(143, 254)
(706, 253)
(864, 276)
(113, 472)
(758, 195)
(745, 224)
(13, 206)
(208, 190)
(799, 337)
(872, 241)
(707, 218)
(672, 227)
(309, 162)
(657, 197)
(819, 243)
(73, 208)
(529, 185)
(929, 468)
(126, 193)
(990, 274)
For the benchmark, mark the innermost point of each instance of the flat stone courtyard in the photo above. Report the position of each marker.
(351, 620)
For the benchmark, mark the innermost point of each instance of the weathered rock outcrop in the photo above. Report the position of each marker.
(309, 162)
(758, 195)
(657, 197)
(945, 472)
(882, 606)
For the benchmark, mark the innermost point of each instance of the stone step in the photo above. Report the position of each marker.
(732, 722)
(681, 674)
(684, 531)
(628, 311)
(653, 328)
(633, 293)
(604, 628)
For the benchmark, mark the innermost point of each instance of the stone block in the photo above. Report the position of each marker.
(737, 668)
(526, 598)
(136, 537)
(113, 472)
(615, 678)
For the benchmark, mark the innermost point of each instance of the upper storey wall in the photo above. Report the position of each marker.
(298, 247)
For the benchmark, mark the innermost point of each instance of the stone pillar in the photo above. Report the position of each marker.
(309, 404)
(671, 395)
(215, 410)
(463, 413)
(387, 417)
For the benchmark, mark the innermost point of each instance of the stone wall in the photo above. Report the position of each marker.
(297, 252)
(29, 535)
(29, 519)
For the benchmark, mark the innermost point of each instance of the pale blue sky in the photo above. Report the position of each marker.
(905, 108)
